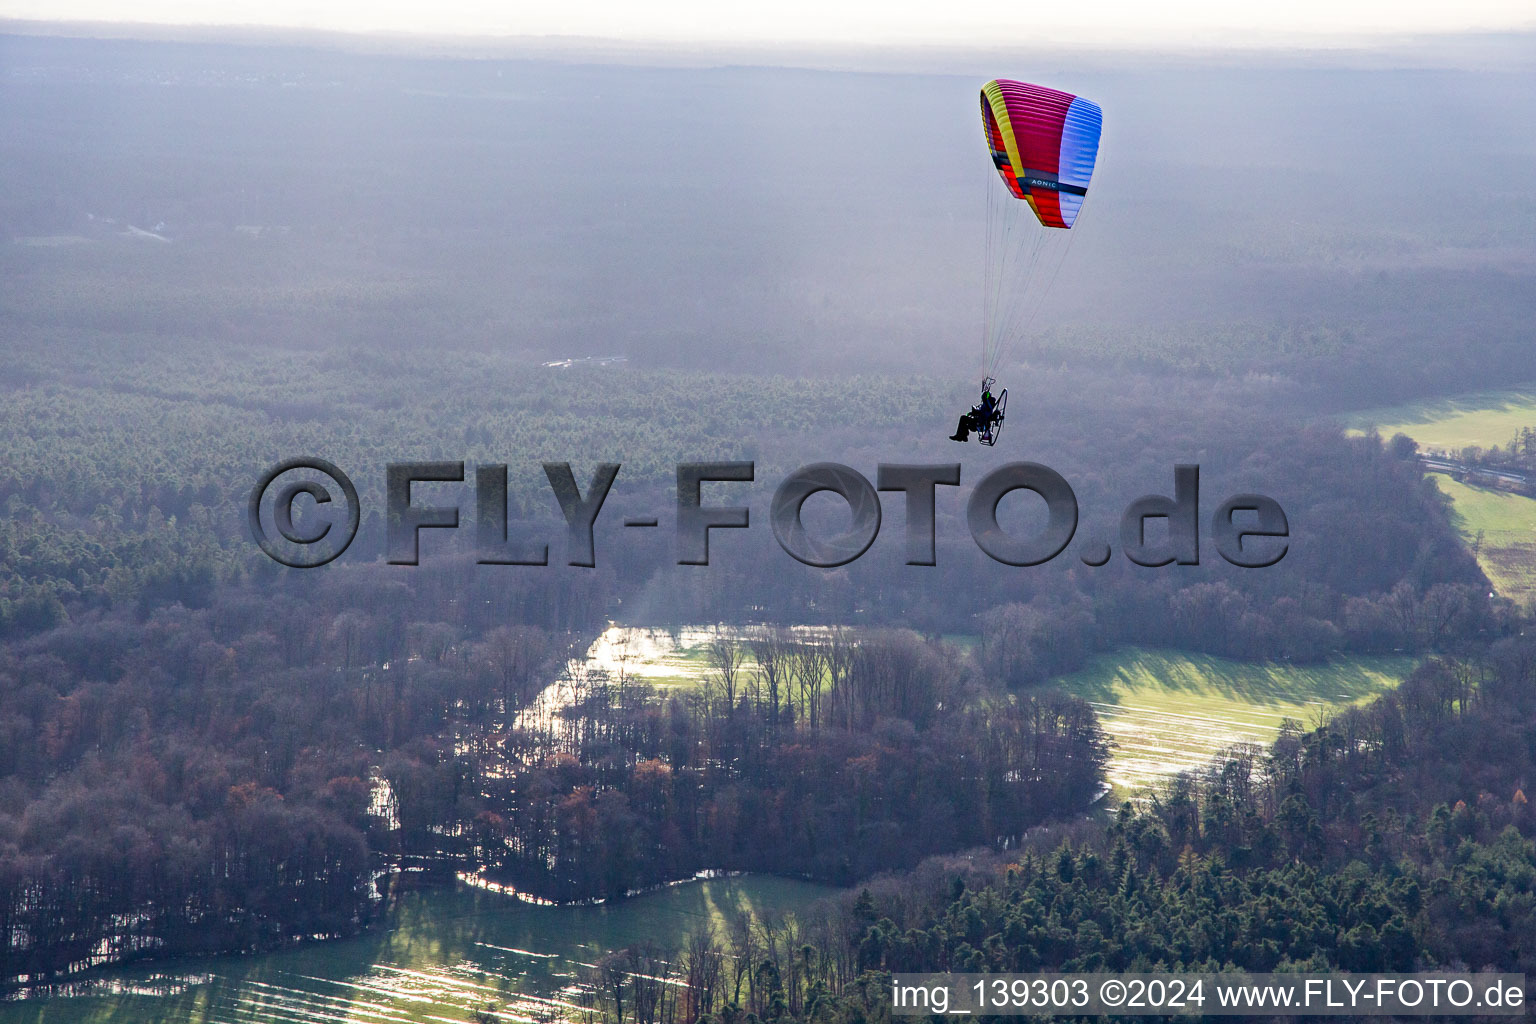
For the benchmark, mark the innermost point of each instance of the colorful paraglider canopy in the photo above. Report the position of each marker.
(1044, 143)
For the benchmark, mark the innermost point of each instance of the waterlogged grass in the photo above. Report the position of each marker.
(1485, 419)
(1168, 712)
(674, 657)
(1501, 529)
(443, 956)
(660, 657)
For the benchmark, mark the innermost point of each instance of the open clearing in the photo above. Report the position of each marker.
(1484, 418)
(1506, 549)
(1507, 522)
(661, 657)
(1169, 711)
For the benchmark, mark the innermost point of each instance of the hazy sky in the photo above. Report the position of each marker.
(831, 22)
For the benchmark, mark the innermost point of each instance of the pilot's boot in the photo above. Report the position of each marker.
(962, 432)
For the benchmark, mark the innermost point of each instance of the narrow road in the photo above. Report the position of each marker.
(1442, 464)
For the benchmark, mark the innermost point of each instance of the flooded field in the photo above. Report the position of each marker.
(676, 657)
(661, 657)
(623, 654)
(679, 656)
(443, 956)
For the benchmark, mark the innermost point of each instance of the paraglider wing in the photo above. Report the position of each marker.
(1044, 143)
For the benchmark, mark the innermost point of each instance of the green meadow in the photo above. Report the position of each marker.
(1169, 711)
(1484, 418)
(1500, 527)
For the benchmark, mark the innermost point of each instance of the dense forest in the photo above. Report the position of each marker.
(129, 486)
(201, 781)
(834, 759)
(190, 770)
